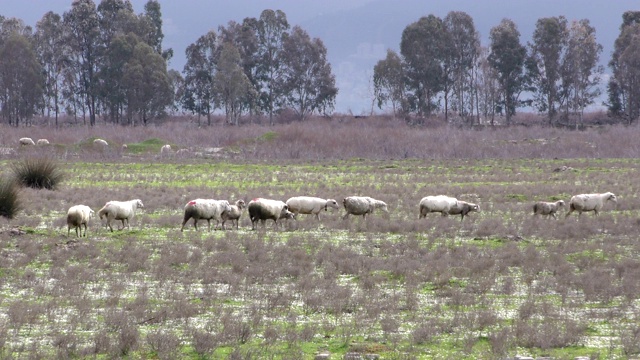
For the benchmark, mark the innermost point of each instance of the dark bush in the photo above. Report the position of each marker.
(9, 199)
(38, 173)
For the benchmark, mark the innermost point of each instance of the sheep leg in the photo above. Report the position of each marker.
(345, 216)
(85, 230)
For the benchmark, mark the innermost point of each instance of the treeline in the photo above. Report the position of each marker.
(107, 62)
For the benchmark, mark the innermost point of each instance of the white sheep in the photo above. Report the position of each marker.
(206, 209)
(264, 209)
(100, 142)
(547, 208)
(590, 202)
(362, 205)
(446, 205)
(120, 210)
(310, 205)
(77, 216)
(165, 149)
(42, 142)
(234, 213)
(26, 141)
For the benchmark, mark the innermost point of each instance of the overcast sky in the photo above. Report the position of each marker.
(355, 32)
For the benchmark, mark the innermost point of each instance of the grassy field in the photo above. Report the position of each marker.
(500, 283)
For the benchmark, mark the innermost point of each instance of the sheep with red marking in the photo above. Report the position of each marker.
(590, 202)
(267, 209)
(310, 205)
(234, 213)
(204, 209)
(547, 208)
(362, 205)
(120, 210)
(77, 216)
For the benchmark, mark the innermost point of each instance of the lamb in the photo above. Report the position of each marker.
(264, 209)
(445, 205)
(547, 208)
(42, 142)
(310, 205)
(77, 216)
(590, 202)
(234, 213)
(100, 142)
(26, 141)
(120, 210)
(362, 205)
(206, 209)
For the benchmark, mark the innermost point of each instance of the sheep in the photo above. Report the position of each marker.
(362, 205)
(234, 213)
(445, 205)
(42, 142)
(547, 208)
(165, 149)
(206, 209)
(590, 202)
(26, 141)
(310, 205)
(120, 210)
(264, 209)
(100, 142)
(77, 216)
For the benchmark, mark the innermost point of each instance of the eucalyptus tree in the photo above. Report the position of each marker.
(155, 36)
(462, 52)
(307, 84)
(388, 82)
(83, 37)
(486, 87)
(624, 86)
(231, 84)
(198, 94)
(424, 49)
(52, 51)
(508, 58)
(581, 73)
(550, 41)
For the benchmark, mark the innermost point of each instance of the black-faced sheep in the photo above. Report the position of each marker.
(547, 208)
(445, 205)
(77, 216)
(205, 209)
(26, 141)
(362, 205)
(42, 142)
(590, 202)
(264, 209)
(310, 205)
(120, 210)
(234, 213)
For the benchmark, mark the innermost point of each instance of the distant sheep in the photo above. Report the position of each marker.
(362, 205)
(205, 209)
(120, 210)
(26, 141)
(590, 202)
(310, 205)
(77, 216)
(42, 142)
(547, 208)
(165, 149)
(445, 205)
(267, 209)
(100, 142)
(234, 213)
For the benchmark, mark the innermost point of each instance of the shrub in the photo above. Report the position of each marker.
(38, 173)
(9, 199)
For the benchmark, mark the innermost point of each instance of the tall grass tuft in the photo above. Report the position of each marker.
(9, 199)
(38, 173)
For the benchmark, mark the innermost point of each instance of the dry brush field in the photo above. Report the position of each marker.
(500, 283)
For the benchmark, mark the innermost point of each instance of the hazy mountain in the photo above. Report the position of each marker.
(355, 32)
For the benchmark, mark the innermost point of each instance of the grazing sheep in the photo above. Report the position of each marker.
(264, 209)
(445, 205)
(462, 208)
(26, 141)
(42, 142)
(206, 209)
(77, 216)
(165, 149)
(547, 208)
(362, 205)
(120, 210)
(590, 202)
(234, 213)
(100, 142)
(310, 205)
(124, 147)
